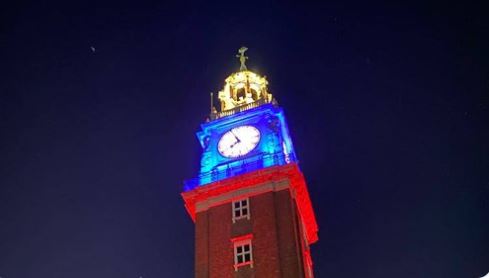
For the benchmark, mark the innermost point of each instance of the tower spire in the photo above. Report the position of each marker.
(242, 57)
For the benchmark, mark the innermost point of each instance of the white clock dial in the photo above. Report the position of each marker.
(239, 141)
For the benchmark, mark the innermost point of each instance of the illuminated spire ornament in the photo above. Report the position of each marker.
(242, 57)
(242, 90)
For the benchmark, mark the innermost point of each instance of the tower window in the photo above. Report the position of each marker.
(254, 94)
(240, 94)
(241, 209)
(243, 253)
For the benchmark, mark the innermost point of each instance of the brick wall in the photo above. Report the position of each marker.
(276, 246)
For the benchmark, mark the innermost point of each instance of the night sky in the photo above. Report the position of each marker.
(388, 106)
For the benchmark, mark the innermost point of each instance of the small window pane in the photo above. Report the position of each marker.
(239, 249)
(240, 259)
(241, 209)
(247, 248)
(247, 257)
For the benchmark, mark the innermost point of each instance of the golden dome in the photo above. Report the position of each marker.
(242, 88)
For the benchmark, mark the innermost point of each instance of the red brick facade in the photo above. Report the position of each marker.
(277, 240)
(278, 229)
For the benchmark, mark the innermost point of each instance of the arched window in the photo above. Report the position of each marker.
(240, 94)
(254, 94)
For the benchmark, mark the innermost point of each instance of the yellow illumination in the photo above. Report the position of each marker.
(243, 87)
(242, 90)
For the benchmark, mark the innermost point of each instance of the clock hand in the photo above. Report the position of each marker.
(234, 143)
(237, 138)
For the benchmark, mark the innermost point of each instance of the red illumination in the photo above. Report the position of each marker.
(236, 266)
(290, 172)
(308, 263)
(242, 238)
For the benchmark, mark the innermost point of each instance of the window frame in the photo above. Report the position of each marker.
(242, 241)
(240, 208)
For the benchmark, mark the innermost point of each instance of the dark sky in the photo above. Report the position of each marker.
(388, 106)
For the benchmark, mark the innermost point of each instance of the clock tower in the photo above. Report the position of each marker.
(250, 204)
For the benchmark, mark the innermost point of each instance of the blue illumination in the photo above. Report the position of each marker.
(275, 146)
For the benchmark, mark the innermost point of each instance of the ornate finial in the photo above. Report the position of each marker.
(242, 57)
(212, 101)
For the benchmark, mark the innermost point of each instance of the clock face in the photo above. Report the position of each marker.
(239, 141)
